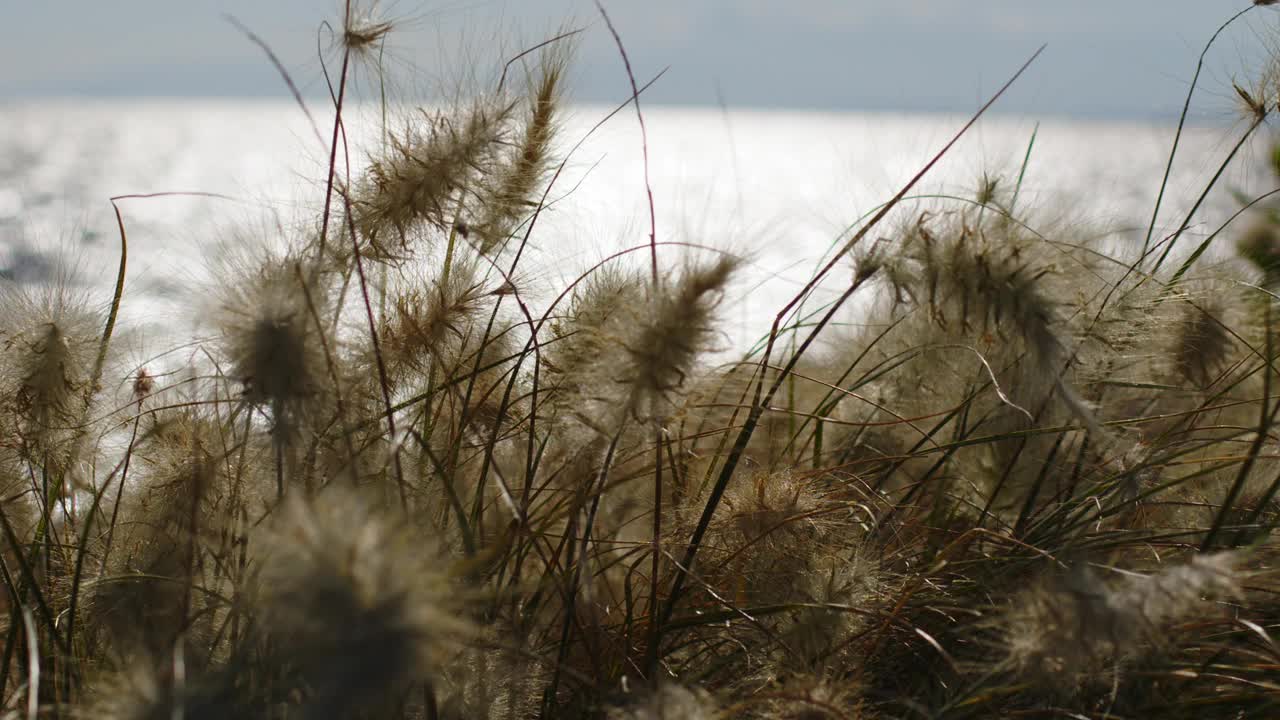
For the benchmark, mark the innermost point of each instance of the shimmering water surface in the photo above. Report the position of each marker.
(777, 186)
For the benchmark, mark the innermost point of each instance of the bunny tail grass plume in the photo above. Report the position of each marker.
(1259, 245)
(354, 605)
(669, 702)
(584, 347)
(970, 277)
(48, 338)
(1066, 628)
(417, 180)
(679, 325)
(512, 193)
(428, 316)
(174, 510)
(270, 339)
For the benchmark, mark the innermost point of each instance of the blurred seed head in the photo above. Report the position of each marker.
(269, 336)
(353, 601)
(1076, 621)
(1201, 342)
(1260, 246)
(971, 277)
(143, 385)
(586, 346)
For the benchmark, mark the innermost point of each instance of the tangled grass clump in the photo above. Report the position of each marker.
(398, 482)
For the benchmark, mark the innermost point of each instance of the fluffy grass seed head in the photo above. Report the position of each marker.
(1201, 343)
(270, 338)
(352, 601)
(1260, 246)
(973, 278)
(678, 325)
(175, 507)
(429, 317)
(428, 170)
(49, 339)
(1261, 95)
(595, 317)
(511, 194)
(1066, 627)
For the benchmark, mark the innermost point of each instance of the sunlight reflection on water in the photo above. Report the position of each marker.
(778, 186)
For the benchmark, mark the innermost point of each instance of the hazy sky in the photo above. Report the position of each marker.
(1123, 58)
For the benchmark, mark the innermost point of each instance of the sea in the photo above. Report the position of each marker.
(780, 188)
